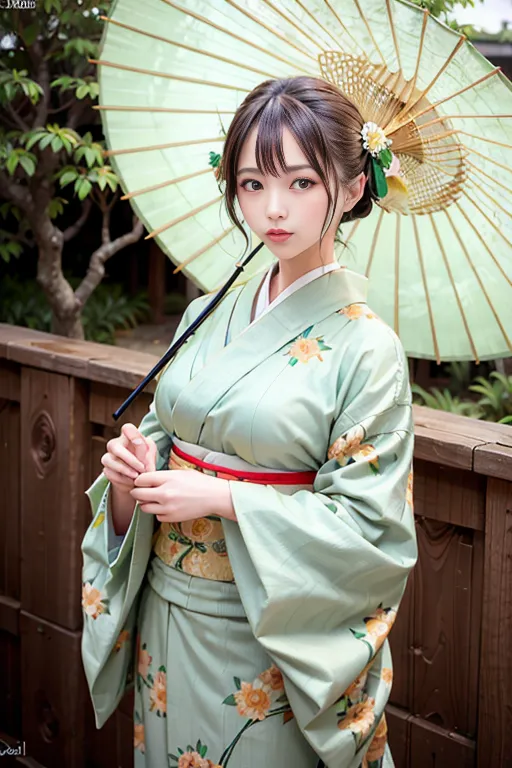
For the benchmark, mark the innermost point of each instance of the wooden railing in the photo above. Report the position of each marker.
(452, 642)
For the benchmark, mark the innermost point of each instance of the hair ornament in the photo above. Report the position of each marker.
(377, 144)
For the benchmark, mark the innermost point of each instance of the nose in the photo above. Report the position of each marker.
(275, 208)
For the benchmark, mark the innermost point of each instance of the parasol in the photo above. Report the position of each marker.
(437, 249)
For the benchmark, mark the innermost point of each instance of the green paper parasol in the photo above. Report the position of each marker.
(437, 249)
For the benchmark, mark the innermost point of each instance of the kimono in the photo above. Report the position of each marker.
(264, 642)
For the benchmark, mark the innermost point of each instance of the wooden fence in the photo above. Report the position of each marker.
(452, 643)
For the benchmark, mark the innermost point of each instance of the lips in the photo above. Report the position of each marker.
(278, 232)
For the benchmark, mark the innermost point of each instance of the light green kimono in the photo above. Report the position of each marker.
(289, 663)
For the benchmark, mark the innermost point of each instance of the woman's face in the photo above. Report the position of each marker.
(295, 201)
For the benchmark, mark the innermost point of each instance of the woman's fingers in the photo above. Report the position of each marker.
(120, 451)
(110, 462)
(135, 441)
(116, 478)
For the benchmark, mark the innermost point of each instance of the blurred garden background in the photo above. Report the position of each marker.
(73, 259)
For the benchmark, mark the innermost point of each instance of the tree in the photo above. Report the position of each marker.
(47, 89)
(444, 7)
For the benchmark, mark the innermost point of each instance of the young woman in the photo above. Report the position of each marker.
(252, 539)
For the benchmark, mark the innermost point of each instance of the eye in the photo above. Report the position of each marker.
(250, 181)
(308, 181)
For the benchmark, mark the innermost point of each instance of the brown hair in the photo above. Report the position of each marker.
(326, 125)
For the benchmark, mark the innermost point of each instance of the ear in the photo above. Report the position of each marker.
(354, 192)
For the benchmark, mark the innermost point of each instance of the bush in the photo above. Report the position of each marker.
(109, 308)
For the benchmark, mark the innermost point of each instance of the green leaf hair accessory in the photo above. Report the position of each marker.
(214, 161)
(377, 144)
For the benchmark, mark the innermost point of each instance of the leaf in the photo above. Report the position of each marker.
(238, 683)
(34, 138)
(386, 158)
(12, 162)
(90, 156)
(28, 165)
(82, 91)
(56, 143)
(381, 185)
(67, 177)
(45, 141)
(230, 700)
(29, 34)
(85, 188)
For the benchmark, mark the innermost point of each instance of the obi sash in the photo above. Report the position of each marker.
(197, 547)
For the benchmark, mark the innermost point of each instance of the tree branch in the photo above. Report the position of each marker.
(42, 77)
(17, 119)
(75, 228)
(16, 193)
(96, 269)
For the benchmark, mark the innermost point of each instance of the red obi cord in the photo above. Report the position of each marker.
(263, 478)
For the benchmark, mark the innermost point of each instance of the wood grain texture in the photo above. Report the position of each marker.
(10, 380)
(399, 735)
(10, 482)
(55, 447)
(433, 747)
(10, 688)
(449, 495)
(495, 703)
(53, 693)
(444, 639)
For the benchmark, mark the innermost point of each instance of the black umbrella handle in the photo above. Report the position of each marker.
(185, 335)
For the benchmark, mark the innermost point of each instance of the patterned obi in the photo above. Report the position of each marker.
(197, 547)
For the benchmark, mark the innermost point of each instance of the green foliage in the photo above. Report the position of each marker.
(495, 403)
(13, 82)
(445, 401)
(109, 309)
(496, 400)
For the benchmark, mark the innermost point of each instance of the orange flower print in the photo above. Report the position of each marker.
(409, 492)
(121, 640)
(93, 601)
(144, 661)
(348, 449)
(356, 311)
(303, 348)
(272, 678)
(378, 744)
(378, 626)
(193, 758)
(253, 700)
(387, 675)
(158, 694)
(200, 529)
(138, 737)
(355, 690)
(359, 718)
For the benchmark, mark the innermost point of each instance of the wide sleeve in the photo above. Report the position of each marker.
(112, 573)
(321, 573)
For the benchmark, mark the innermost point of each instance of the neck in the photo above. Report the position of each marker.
(291, 269)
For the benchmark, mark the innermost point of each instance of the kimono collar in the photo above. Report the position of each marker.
(264, 302)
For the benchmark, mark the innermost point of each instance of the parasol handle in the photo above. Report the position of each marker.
(185, 335)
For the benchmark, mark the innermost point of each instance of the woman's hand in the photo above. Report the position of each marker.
(176, 495)
(127, 456)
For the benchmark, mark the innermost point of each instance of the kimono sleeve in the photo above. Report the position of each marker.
(321, 573)
(112, 573)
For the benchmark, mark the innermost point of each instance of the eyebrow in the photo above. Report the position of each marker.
(290, 168)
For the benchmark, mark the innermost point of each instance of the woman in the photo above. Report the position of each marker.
(275, 462)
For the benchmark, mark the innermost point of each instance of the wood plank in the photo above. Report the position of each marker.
(444, 448)
(10, 483)
(104, 400)
(9, 616)
(449, 495)
(10, 380)
(399, 735)
(10, 685)
(494, 460)
(55, 445)
(444, 580)
(53, 694)
(459, 426)
(495, 704)
(433, 746)
(101, 743)
(401, 642)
